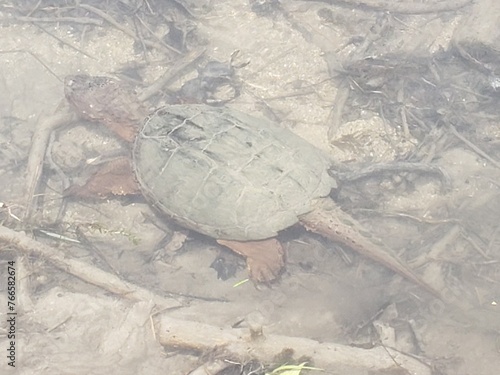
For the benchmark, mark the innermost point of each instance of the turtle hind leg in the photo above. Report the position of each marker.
(265, 258)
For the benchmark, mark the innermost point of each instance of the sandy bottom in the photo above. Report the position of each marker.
(326, 293)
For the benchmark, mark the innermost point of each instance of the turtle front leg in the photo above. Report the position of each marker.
(114, 178)
(265, 258)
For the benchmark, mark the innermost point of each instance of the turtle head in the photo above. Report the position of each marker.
(88, 95)
(106, 101)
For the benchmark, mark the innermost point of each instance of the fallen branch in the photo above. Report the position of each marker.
(84, 271)
(238, 345)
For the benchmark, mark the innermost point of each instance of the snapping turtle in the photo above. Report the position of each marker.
(228, 175)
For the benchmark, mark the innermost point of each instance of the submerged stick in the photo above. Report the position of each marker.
(84, 271)
(38, 149)
(405, 7)
(237, 344)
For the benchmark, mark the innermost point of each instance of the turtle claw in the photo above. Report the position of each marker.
(265, 258)
(264, 271)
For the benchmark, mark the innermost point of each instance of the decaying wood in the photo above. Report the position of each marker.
(238, 345)
(82, 270)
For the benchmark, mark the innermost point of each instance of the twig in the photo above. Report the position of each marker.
(65, 43)
(491, 243)
(378, 169)
(81, 20)
(474, 148)
(442, 245)
(421, 220)
(404, 121)
(65, 181)
(36, 157)
(475, 245)
(33, 10)
(171, 74)
(336, 113)
(36, 58)
(405, 7)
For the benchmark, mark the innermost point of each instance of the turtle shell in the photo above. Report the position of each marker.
(226, 174)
